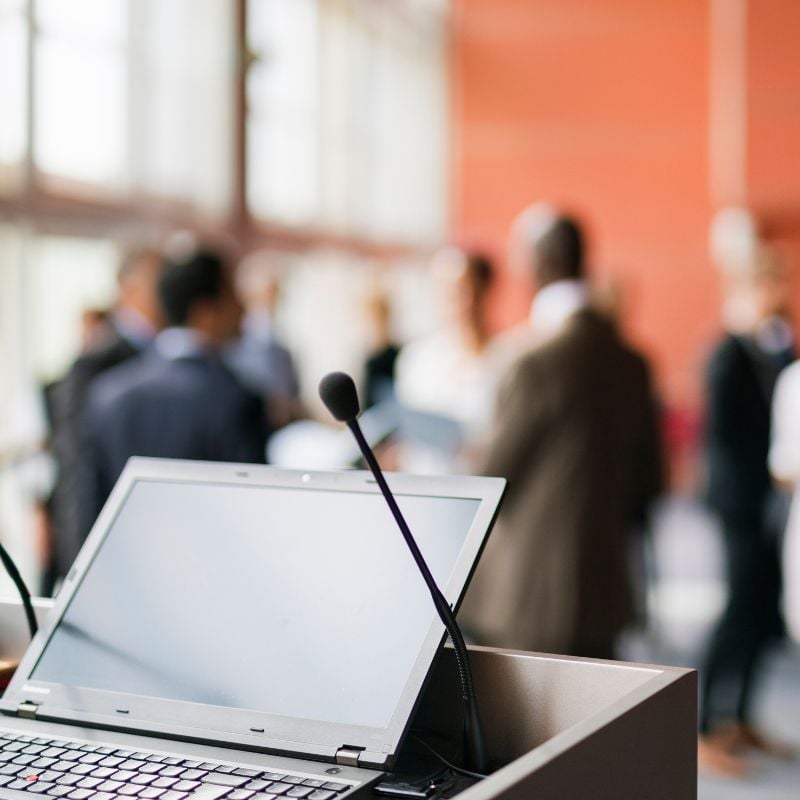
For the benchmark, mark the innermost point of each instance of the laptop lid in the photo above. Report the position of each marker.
(266, 609)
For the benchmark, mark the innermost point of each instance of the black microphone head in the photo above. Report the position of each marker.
(339, 394)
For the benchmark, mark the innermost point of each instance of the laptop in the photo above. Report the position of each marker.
(239, 631)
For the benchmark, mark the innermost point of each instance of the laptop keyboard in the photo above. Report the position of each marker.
(79, 771)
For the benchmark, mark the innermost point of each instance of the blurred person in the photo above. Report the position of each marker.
(575, 433)
(177, 400)
(379, 368)
(446, 373)
(259, 357)
(107, 341)
(784, 462)
(740, 382)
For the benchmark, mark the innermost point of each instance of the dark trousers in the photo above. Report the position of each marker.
(750, 622)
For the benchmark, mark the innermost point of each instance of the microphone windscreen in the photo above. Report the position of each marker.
(338, 392)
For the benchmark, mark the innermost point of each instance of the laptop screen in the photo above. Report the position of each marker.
(298, 602)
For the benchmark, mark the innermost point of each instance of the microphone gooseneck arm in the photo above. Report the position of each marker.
(25, 595)
(473, 732)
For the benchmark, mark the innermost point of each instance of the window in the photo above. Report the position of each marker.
(81, 76)
(13, 91)
(348, 117)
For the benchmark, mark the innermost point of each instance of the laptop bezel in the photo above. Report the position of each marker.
(239, 728)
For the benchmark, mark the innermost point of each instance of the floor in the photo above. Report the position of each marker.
(687, 592)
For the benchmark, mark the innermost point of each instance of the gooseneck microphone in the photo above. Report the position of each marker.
(25, 595)
(338, 392)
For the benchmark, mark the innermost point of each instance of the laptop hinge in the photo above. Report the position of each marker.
(347, 756)
(27, 709)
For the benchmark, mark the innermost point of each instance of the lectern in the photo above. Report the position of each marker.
(564, 728)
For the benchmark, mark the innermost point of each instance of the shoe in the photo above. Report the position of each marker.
(714, 759)
(745, 737)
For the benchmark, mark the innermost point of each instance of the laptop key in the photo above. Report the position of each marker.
(247, 773)
(313, 782)
(123, 775)
(335, 787)
(103, 796)
(240, 794)
(151, 793)
(321, 794)
(102, 772)
(278, 788)
(111, 761)
(63, 766)
(54, 752)
(82, 769)
(172, 771)
(257, 785)
(143, 779)
(225, 768)
(299, 791)
(80, 794)
(59, 791)
(49, 776)
(221, 779)
(18, 784)
(208, 766)
(164, 782)
(130, 789)
(194, 775)
(44, 762)
(40, 787)
(10, 769)
(172, 761)
(90, 748)
(89, 783)
(24, 760)
(151, 767)
(109, 786)
(186, 786)
(174, 795)
(34, 749)
(191, 764)
(132, 763)
(68, 780)
(273, 776)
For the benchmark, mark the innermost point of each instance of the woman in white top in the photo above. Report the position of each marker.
(784, 461)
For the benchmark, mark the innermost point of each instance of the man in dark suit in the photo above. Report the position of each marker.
(576, 436)
(740, 381)
(130, 327)
(177, 400)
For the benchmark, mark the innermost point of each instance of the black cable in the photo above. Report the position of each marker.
(460, 770)
(25, 595)
(473, 733)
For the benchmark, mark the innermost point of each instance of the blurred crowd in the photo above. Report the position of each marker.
(190, 363)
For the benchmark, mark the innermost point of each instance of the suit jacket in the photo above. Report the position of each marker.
(740, 381)
(67, 401)
(576, 436)
(190, 407)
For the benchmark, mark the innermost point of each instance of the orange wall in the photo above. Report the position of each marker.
(605, 106)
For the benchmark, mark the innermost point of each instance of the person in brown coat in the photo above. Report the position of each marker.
(576, 435)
